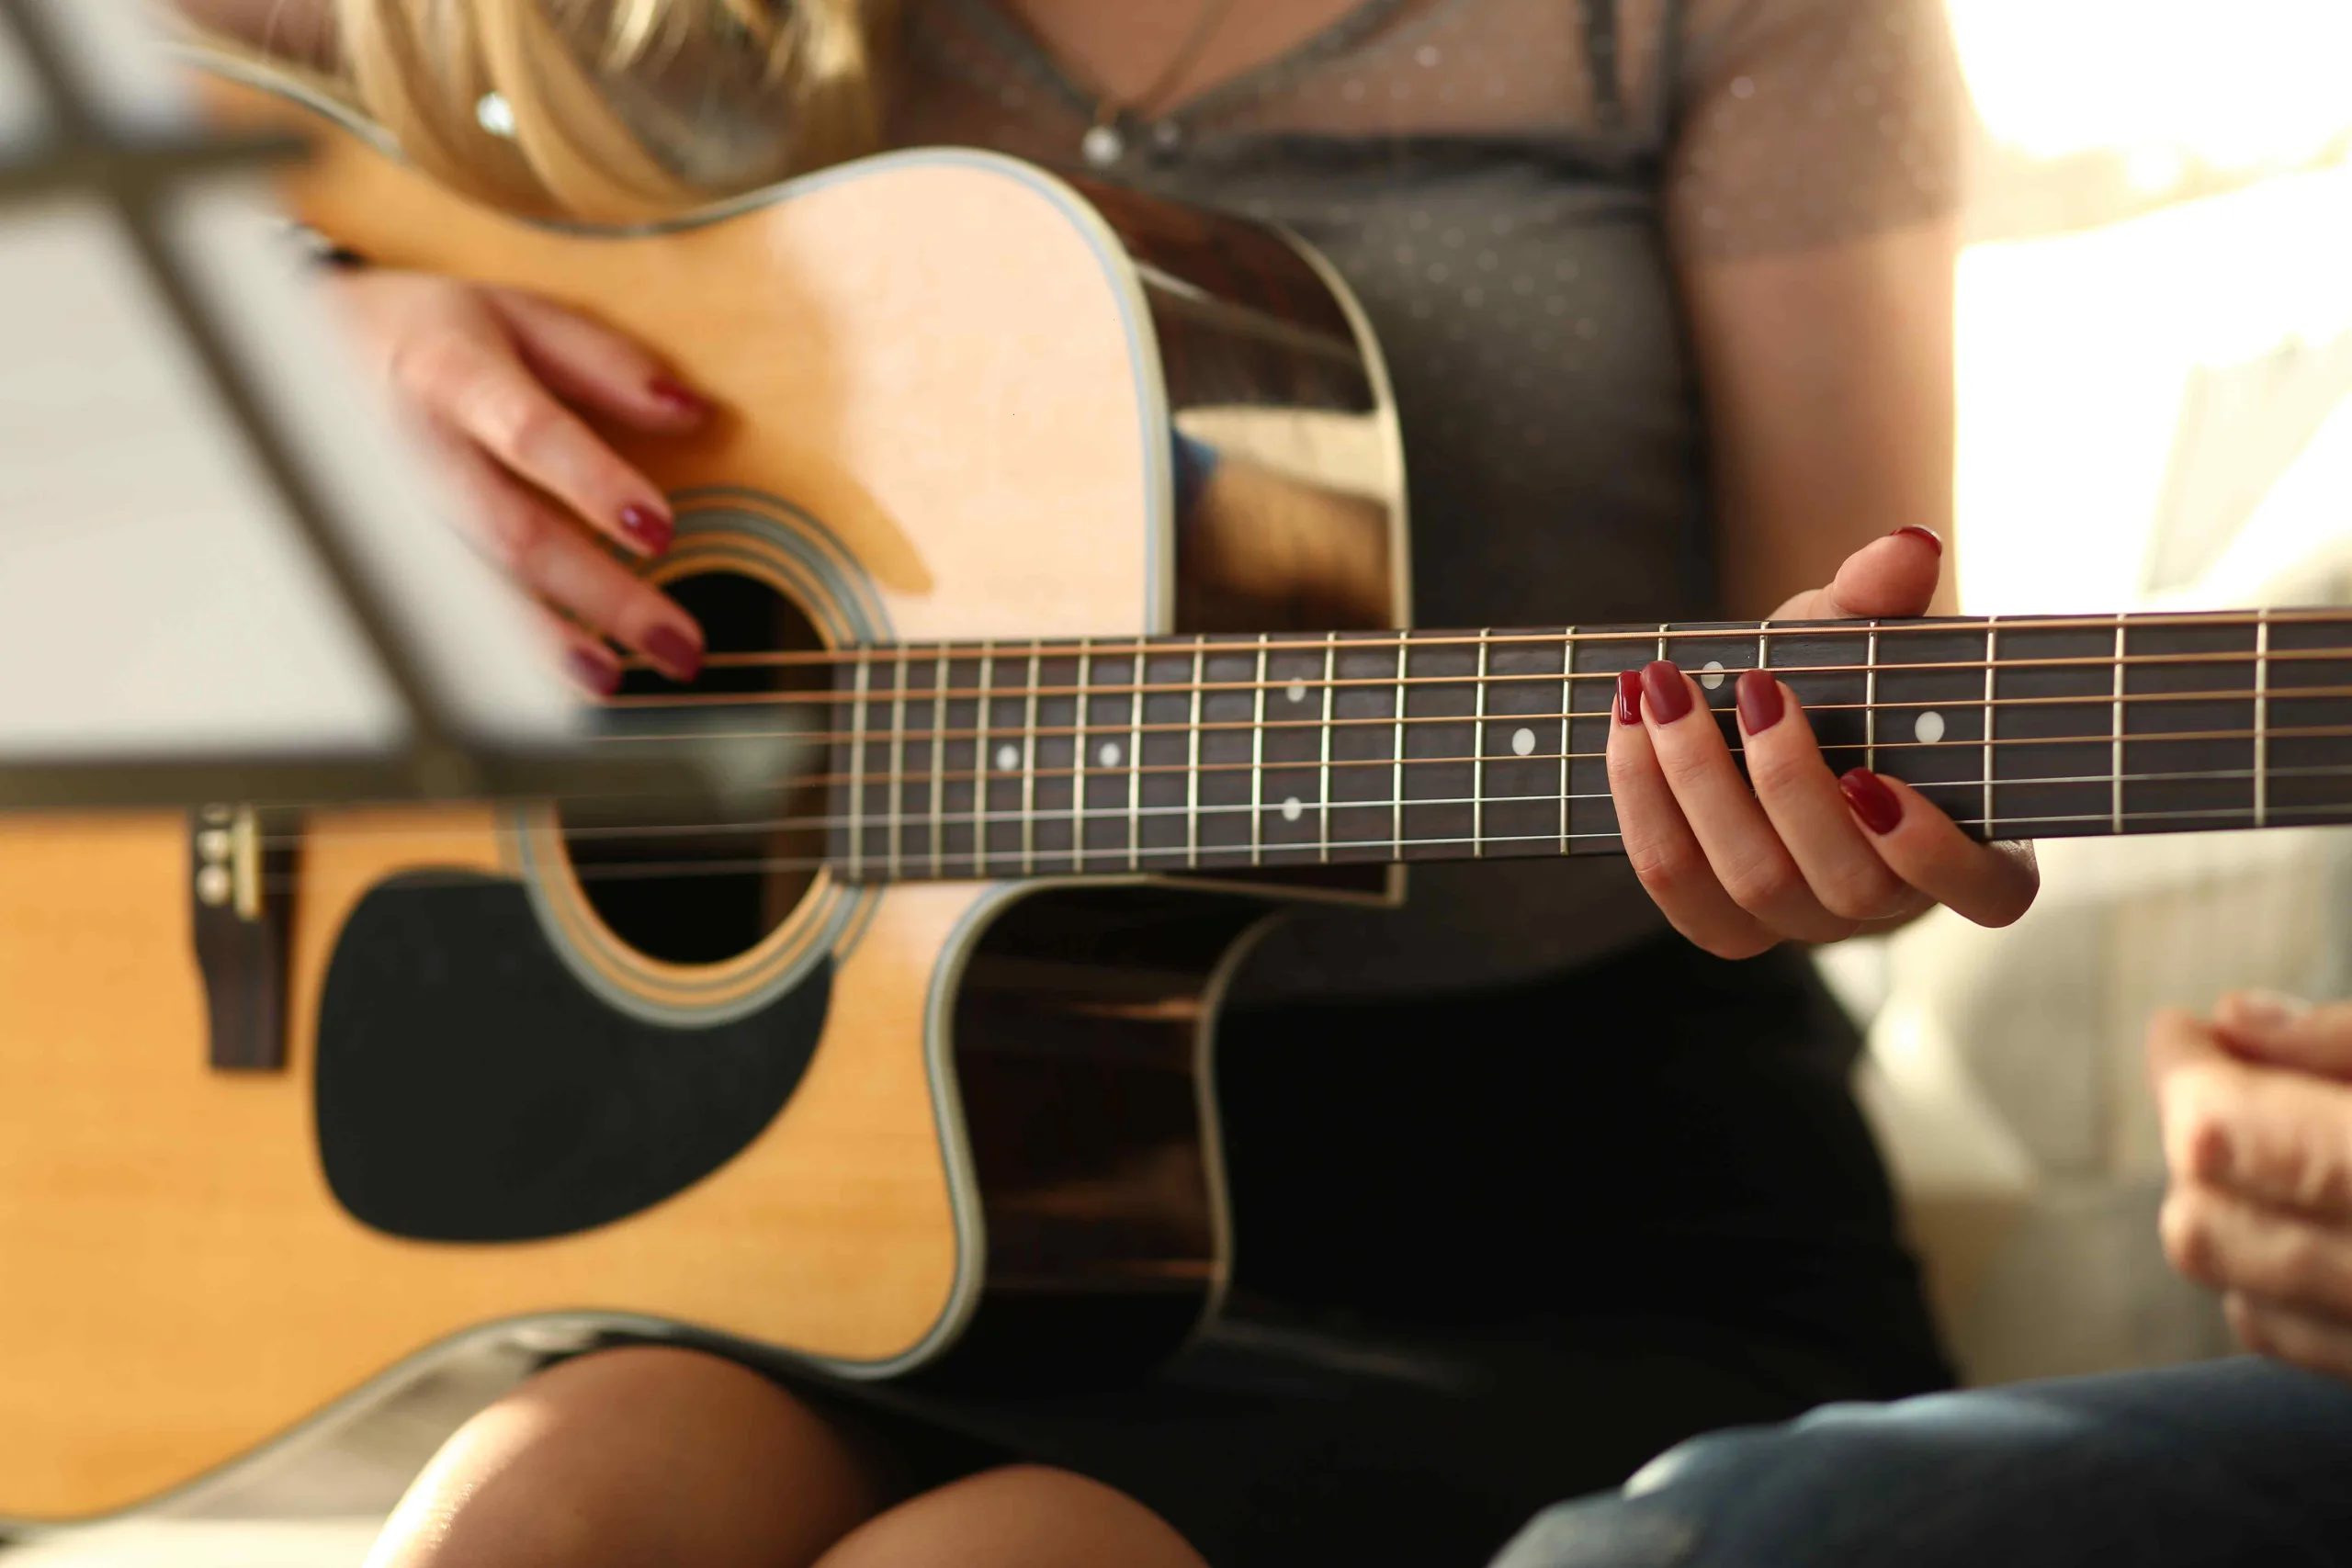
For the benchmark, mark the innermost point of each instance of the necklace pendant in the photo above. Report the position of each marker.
(1102, 146)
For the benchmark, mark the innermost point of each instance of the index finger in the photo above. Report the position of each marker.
(590, 364)
(2267, 1134)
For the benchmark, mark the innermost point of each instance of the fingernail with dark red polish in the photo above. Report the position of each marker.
(674, 652)
(1935, 540)
(598, 675)
(677, 398)
(1871, 800)
(1760, 701)
(647, 528)
(1629, 696)
(1668, 693)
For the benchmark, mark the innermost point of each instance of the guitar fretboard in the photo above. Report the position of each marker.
(1179, 754)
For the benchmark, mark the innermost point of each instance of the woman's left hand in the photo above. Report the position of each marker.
(1803, 854)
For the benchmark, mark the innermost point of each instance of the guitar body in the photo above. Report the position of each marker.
(912, 1127)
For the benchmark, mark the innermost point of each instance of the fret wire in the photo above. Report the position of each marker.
(1135, 765)
(2114, 801)
(2261, 720)
(757, 699)
(1869, 702)
(1330, 664)
(1078, 746)
(897, 832)
(1991, 667)
(857, 766)
(939, 770)
(1258, 764)
(1396, 780)
(980, 764)
(1479, 747)
(1567, 703)
(1029, 764)
(1192, 780)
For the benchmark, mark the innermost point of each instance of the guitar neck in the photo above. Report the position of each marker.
(1108, 756)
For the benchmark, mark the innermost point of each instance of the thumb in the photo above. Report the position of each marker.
(1891, 576)
(2284, 1032)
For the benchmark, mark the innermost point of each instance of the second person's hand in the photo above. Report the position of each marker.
(2257, 1107)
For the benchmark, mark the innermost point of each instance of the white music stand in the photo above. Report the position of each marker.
(224, 572)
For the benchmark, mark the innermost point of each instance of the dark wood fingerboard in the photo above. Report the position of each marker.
(1226, 751)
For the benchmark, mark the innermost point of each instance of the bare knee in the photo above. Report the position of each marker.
(633, 1456)
(1019, 1516)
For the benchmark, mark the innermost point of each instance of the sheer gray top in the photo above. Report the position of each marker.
(1510, 185)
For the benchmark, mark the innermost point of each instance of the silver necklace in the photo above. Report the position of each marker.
(1105, 143)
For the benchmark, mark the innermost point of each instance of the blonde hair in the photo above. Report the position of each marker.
(569, 71)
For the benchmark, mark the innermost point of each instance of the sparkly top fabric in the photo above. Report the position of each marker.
(1510, 187)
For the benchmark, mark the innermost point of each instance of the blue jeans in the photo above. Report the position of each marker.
(2226, 1462)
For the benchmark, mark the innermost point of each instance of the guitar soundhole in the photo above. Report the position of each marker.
(699, 893)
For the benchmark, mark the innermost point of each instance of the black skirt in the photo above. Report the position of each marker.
(1492, 1250)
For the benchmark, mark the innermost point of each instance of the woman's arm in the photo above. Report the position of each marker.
(1811, 198)
(1810, 204)
(1828, 379)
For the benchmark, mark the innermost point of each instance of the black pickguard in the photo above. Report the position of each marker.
(471, 1090)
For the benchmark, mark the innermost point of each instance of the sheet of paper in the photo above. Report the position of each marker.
(153, 599)
(157, 600)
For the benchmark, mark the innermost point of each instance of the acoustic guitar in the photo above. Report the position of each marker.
(909, 1072)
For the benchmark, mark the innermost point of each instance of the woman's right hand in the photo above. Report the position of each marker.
(494, 376)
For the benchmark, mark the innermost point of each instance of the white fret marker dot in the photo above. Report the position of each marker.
(1297, 692)
(1711, 676)
(1522, 741)
(1292, 808)
(1110, 753)
(1008, 757)
(1931, 728)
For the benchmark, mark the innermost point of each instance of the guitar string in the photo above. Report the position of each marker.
(941, 818)
(1186, 688)
(1961, 745)
(1386, 640)
(1957, 743)
(1054, 732)
(1961, 705)
(1178, 857)
(922, 823)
